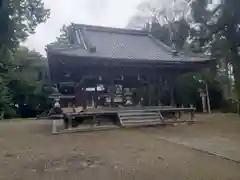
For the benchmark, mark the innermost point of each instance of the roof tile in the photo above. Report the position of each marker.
(114, 43)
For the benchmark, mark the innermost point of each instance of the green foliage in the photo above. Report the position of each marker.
(25, 86)
(21, 18)
(18, 20)
(229, 106)
(219, 32)
(4, 95)
(174, 28)
(180, 32)
(5, 64)
(188, 87)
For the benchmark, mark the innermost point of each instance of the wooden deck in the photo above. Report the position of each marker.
(95, 118)
(111, 111)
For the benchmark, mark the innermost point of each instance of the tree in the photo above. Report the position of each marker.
(25, 85)
(18, 19)
(168, 21)
(174, 25)
(175, 37)
(165, 10)
(221, 36)
(21, 18)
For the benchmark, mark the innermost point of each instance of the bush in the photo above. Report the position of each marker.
(230, 106)
(9, 112)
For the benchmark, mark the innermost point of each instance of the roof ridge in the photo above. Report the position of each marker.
(160, 43)
(63, 47)
(110, 29)
(181, 53)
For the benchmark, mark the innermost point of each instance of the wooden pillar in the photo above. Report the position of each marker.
(96, 97)
(145, 95)
(172, 99)
(158, 94)
(123, 94)
(160, 84)
(153, 91)
(149, 93)
(111, 92)
(113, 89)
(141, 93)
(84, 98)
(171, 82)
(139, 90)
(78, 95)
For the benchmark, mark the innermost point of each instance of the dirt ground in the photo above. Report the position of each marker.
(28, 151)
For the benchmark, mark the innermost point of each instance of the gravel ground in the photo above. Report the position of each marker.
(216, 134)
(28, 151)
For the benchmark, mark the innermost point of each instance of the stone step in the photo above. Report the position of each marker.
(140, 118)
(141, 123)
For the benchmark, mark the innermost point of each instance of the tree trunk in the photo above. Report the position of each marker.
(226, 85)
(236, 73)
(1, 114)
(236, 69)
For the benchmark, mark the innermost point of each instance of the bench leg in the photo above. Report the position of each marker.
(161, 117)
(180, 115)
(95, 122)
(177, 116)
(192, 117)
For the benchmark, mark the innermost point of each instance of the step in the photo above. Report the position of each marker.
(142, 123)
(133, 112)
(139, 118)
(138, 114)
(139, 110)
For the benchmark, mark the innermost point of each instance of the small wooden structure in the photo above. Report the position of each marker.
(126, 67)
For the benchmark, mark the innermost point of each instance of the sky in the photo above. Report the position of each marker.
(113, 13)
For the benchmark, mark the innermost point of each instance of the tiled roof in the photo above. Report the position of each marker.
(115, 43)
